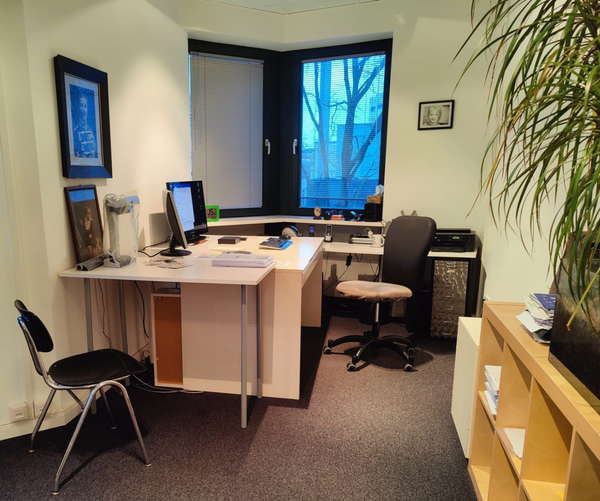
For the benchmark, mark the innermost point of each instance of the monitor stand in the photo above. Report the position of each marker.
(198, 240)
(173, 252)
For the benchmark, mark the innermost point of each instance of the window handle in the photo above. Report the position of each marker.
(268, 146)
(294, 146)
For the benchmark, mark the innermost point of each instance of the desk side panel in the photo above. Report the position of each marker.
(211, 323)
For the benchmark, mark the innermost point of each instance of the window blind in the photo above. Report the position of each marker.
(226, 97)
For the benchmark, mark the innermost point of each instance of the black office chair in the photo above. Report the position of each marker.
(92, 371)
(407, 244)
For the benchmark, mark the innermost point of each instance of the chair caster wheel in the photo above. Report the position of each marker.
(408, 367)
(327, 350)
(350, 367)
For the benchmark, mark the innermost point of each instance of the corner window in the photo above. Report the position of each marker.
(343, 102)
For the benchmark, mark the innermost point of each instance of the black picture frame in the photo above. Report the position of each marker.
(85, 221)
(83, 119)
(443, 117)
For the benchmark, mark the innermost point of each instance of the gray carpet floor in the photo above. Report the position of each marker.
(376, 434)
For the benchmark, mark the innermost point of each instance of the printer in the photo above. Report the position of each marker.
(454, 240)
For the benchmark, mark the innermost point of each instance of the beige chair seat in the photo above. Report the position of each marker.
(373, 291)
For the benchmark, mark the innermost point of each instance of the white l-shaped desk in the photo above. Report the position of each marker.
(217, 312)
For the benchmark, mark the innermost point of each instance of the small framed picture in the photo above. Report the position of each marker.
(82, 97)
(436, 115)
(86, 225)
(213, 213)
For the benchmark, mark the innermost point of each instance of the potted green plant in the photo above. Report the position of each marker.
(543, 60)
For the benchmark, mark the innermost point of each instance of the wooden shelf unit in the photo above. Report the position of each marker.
(562, 428)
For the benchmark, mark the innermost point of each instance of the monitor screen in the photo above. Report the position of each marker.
(189, 199)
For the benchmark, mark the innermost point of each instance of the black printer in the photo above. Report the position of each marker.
(454, 240)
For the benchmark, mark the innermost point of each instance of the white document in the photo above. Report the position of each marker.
(492, 374)
(491, 401)
(516, 437)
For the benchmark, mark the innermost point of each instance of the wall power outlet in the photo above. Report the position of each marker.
(19, 411)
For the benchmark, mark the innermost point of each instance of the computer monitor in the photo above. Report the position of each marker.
(177, 232)
(189, 199)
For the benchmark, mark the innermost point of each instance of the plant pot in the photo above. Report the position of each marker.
(575, 351)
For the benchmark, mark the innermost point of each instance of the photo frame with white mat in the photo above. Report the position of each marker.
(434, 115)
(83, 119)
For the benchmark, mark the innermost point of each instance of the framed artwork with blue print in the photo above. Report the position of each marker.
(82, 95)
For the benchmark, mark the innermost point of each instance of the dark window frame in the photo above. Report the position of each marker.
(270, 192)
(291, 110)
(282, 98)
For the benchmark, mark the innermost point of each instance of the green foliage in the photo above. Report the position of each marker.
(543, 66)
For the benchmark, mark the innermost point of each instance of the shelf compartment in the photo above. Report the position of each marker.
(491, 346)
(480, 476)
(515, 384)
(480, 456)
(537, 490)
(547, 444)
(514, 459)
(504, 482)
(584, 473)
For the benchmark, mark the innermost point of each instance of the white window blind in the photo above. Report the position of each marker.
(226, 97)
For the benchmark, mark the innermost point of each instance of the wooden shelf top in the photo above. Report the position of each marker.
(544, 491)
(582, 412)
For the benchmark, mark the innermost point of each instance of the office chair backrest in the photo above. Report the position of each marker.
(407, 244)
(37, 336)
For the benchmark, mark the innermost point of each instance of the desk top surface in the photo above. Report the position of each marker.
(297, 257)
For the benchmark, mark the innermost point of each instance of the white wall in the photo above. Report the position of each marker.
(435, 173)
(145, 55)
(23, 252)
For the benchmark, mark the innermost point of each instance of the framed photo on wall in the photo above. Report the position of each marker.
(436, 115)
(86, 225)
(82, 96)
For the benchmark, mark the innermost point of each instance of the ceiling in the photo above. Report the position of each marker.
(292, 6)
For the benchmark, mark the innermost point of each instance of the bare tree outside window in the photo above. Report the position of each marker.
(341, 130)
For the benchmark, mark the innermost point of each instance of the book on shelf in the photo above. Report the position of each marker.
(492, 374)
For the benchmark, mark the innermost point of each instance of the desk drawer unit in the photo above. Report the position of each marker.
(166, 327)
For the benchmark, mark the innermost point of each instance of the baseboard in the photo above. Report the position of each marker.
(53, 420)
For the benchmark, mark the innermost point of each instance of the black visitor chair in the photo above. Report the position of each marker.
(93, 371)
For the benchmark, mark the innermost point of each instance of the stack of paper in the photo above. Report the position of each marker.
(243, 260)
(516, 437)
(492, 386)
(539, 315)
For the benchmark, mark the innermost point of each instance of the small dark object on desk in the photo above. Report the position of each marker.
(91, 264)
(228, 240)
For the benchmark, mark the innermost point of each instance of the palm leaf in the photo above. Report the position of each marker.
(543, 69)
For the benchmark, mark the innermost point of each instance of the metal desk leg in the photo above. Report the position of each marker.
(244, 395)
(123, 316)
(258, 361)
(89, 331)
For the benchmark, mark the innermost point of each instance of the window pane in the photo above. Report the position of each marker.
(342, 106)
